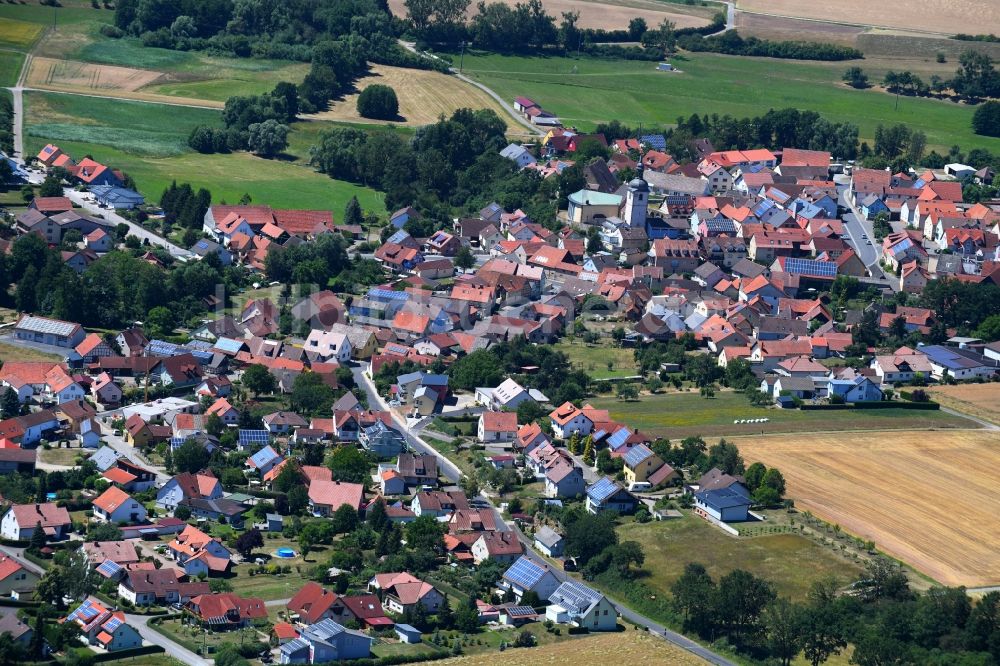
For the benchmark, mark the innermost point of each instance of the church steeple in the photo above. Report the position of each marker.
(637, 198)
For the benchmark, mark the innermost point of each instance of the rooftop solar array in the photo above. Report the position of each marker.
(811, 267)
(637, 454)
(264, 456)
(45, 325)
(112, 624)
(85, 613)
(524, 573)
(251, 437)
(520, 611)
(618, 438)
(575, 597)
(602, 489)
(109, 568)
(387, 295)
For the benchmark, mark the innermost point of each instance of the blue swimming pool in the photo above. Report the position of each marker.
(285, 552)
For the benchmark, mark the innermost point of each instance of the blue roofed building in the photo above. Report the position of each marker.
(205, 247)
(607, 495)
(729, 504)
(526, 575)
(120, 198)
(575, 603)
(654, 141)
(957, 363)
(251, 439)
(323, 642)
(381, 440)
(264, 460)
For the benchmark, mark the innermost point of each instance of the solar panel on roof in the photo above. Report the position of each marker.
(520, 611)
(109, 568)
(811, 267)
(524, 573)
(602, 489)
(112, 624)
(617, 440)
(250, 437)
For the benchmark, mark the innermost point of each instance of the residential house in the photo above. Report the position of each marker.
(325, 497)
(197, 553)
(382, 440)
(498, 428)
(225, 610)
(606, 495)
(324, 642)
(418, 469)
(146, 587)
(568, 419)
(549, 542)
(329, 346)
(21, 520)
(187, 486)
(401, 592)
(223, 511)
(103, 627)
(15, 578)
(526, 575)
(503, 547)
(438, 503)
(729, 504)
(114, 505)
(564, 479)
(575, 603)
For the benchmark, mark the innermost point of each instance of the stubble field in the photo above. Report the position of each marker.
(613, 15)
(979, 400)
(927, 498)
(939, 16)
(423, 97)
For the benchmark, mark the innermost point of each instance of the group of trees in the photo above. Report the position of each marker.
(256, 122)
(775, 129)
(731, 43)
(555, 377)
(308, 263)
(500, 27)
(379, 102)
(451, 164)
(113, 291)
(884, 621)
(184, 207)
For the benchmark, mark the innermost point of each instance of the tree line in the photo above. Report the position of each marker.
(773, 130)
(732, 43)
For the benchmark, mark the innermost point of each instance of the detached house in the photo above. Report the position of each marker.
(187, 486)
(526, 575)
(568, 419)
(325, 497)
(498, 428)
(116, 506)
(606, 495)
(21, 520)
(198, 553)
(577, 604)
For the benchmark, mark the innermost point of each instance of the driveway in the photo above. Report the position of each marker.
(175, 650)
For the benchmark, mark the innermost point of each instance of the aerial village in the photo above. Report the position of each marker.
(327, 473)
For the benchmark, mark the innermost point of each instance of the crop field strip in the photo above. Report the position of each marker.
(927, 498)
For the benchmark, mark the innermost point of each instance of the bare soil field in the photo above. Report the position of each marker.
(611, 15)
(103, 80)
(933, 16)
(423, 96)
(780, 28)
(632, 647)
(926, 498)
(979, 400)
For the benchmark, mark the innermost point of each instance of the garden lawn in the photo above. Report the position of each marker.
(678, 415)
(149, 142)
(585, 91)
(791, 562)
(594, 358)
(17, 353)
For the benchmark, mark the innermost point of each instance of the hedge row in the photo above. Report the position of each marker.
(874, 404)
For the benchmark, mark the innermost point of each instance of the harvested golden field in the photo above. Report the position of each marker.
(938, 16)
(928, 498)
(780, 28)
(87, 77)
(631, 647)
(103, 80)
(609, 15)
(979, 400)
(423, 96)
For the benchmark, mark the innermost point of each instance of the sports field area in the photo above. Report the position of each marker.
(587, 91)
(679, 415)
(927, 498)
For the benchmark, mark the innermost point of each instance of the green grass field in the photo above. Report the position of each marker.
(584, 92)
(791, 562)
(153, 130)
(15, 34)
(10, 67)
(71, 11)
(149, 141)
(594, 359)
(679, 415)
